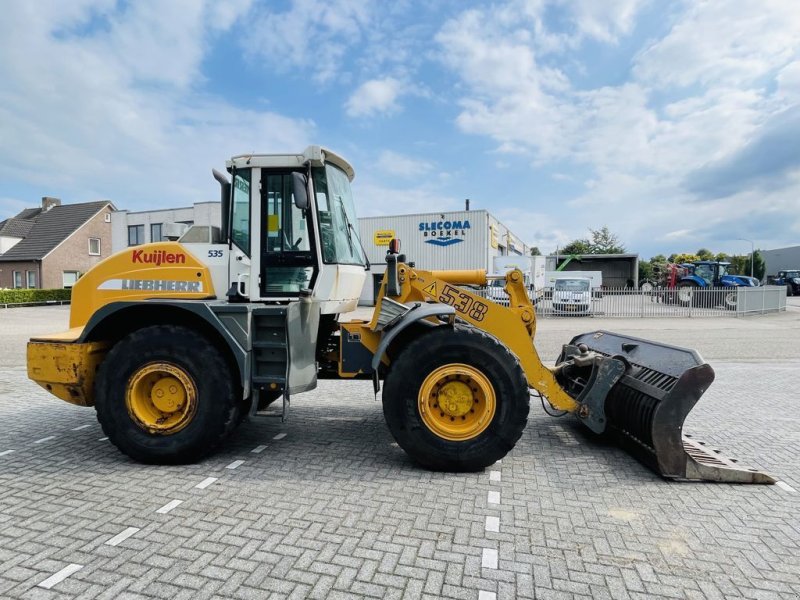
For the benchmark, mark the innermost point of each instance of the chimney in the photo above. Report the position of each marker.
(48, 203)
(467, 204)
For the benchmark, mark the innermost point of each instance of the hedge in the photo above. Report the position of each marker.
(23, 296)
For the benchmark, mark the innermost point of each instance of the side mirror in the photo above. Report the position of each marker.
(300, 190)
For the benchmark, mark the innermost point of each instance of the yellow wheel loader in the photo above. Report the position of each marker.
(175, 342)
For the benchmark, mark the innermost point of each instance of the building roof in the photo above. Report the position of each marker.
(15, 227)
(50, 228)
(29, 213)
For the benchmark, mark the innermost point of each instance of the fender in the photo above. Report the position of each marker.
(694, 279)
(415, 314)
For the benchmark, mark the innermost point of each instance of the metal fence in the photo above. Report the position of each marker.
(692, 302)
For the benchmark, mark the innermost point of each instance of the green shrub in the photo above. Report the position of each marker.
(31, 295)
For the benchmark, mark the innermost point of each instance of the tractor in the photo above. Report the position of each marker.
(175, 343)
(702, 283)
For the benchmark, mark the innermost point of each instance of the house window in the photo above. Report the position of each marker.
(155, 232)
(94, 246)
(135, 235)
(69, 278)
(17, 279)
(31, 279)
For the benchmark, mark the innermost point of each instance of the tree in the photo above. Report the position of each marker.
(535, 251)
(704, 254)
(576, 247)
(684, 258)
(602, 241)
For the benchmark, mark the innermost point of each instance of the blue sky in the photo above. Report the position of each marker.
(674, 123)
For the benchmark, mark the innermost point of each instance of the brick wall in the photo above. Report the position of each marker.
(7, 273)
(73, 253)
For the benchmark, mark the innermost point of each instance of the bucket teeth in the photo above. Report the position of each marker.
(646, 408)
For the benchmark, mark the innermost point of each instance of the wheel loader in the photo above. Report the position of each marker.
(174, 343)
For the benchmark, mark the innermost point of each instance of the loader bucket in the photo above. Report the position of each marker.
(646, 407)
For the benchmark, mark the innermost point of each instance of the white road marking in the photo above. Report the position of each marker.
(47, 439)
(489, 558)
(122, 536)
(280, 436)
(169, 506)
(493, 524)
(484, 595)
(494, 476)
(235, 464)
(205, 483)
(4, 452)
(785, 486)
(493, 498)
(60, 576)
(258, 449)
(81, 427)
(102, 439)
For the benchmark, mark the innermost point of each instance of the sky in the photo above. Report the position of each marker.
(675, 123)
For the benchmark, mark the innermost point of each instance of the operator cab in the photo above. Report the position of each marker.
(291, 229)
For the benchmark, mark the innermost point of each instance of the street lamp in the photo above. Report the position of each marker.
(752, 253)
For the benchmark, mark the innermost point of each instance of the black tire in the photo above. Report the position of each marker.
(218, 407)
(443, 346)
(789, 291)
(686, 294)
(729, 298)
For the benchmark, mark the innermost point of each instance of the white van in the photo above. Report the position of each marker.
(572, 295)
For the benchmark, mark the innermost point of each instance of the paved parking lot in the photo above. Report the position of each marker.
(327, 506)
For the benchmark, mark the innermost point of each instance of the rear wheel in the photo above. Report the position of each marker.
(456, 399)
(729, 299)
(687, 294)
(789, 291)
(165, 394)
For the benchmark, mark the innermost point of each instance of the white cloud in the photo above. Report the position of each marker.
(723, 42)
(373, 97)
(401, 165)
(313, 34)
(104, 100)
(698, 95)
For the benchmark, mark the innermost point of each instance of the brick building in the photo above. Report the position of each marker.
(50, 247)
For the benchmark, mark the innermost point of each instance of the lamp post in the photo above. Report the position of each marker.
(752, 253)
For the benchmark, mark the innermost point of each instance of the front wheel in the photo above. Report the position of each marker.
(456, 399)
(789, 291)
(165, 394)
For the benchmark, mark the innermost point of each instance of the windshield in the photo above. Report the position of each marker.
(723, 270)
(793, 274)
(572, 285)
(337, 217)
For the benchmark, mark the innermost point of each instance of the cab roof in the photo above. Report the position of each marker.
(316, 156)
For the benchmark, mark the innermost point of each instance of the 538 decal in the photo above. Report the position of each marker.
(463, 303)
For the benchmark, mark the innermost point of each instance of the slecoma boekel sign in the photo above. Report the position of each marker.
(444, 233)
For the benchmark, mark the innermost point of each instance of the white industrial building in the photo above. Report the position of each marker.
(781, 259)
(467, 239)
(130, 228)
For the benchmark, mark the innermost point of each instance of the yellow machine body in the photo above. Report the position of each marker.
(514, 326)
(159, 270)
(66, 368)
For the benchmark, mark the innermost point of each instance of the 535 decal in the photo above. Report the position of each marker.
(463, 303)
(215, 254)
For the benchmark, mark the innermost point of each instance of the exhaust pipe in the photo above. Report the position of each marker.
(649, 388)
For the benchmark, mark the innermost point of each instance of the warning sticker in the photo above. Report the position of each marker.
(431, 289)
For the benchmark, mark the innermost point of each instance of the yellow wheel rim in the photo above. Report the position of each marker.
(161, 398)
(457, 402)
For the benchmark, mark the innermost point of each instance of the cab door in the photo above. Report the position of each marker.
(288, 260)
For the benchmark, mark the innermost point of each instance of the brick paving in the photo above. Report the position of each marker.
(335, 510)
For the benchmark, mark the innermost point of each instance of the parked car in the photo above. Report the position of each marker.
(572, 295)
